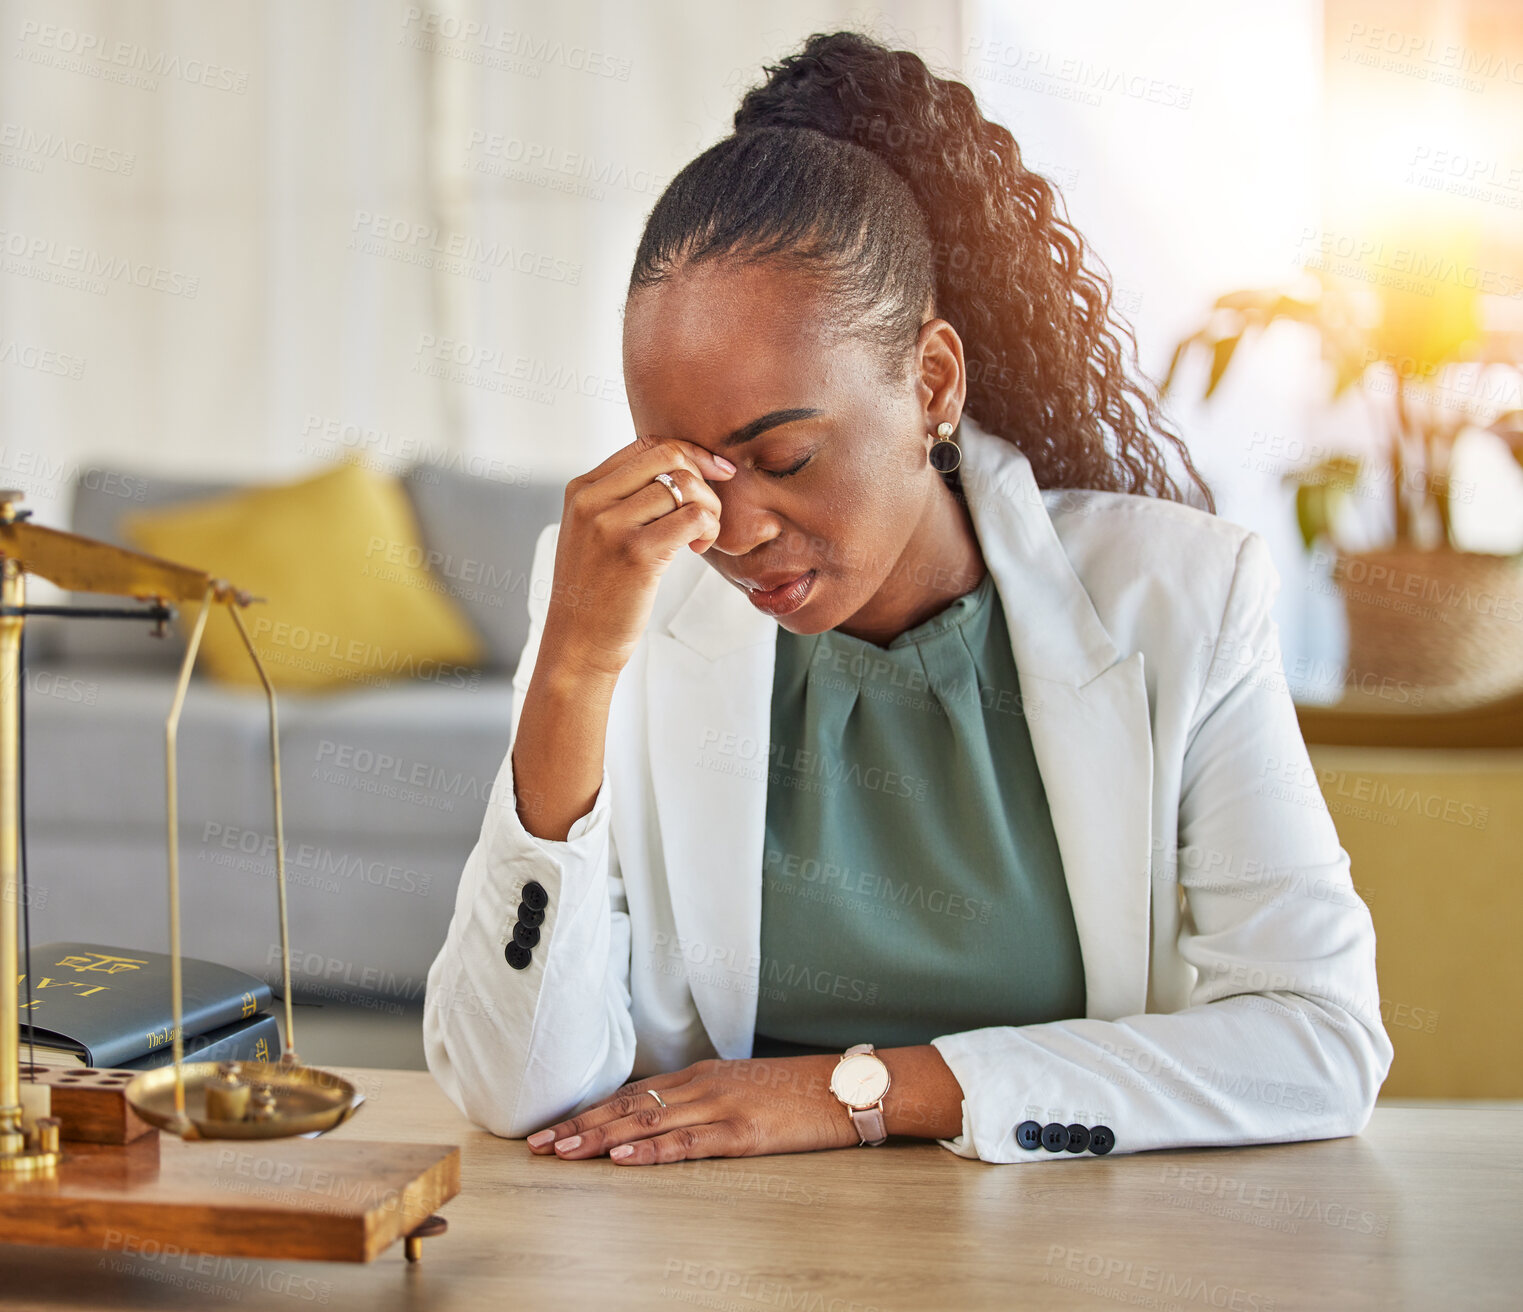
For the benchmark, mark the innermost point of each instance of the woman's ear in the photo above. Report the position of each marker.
(941, 372)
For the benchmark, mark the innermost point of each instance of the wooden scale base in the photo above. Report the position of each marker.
(338, 1200)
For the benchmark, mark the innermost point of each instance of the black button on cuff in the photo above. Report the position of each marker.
(534, 894)
(518, 956)
(1078, 1137)
(1028, 1134)
(526, 936)
(1055, 1137)
(527, 915)
(1101, 1139)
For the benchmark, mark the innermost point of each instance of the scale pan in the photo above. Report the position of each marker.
(306, 1099)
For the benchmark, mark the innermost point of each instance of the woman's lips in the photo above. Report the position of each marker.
(785, 599)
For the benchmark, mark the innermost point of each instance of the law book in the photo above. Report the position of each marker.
(105, 1006)
(254, 1039)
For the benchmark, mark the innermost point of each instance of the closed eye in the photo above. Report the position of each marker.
(784, 473)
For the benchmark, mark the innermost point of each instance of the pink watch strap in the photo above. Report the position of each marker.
(869, 1123)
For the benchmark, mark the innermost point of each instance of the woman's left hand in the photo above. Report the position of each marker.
(714, 1108)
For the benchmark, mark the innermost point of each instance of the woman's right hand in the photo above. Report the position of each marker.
(620, 530)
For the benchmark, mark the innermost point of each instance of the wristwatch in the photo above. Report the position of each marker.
(860, 1080)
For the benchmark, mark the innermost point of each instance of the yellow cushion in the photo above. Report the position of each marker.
(349, 600)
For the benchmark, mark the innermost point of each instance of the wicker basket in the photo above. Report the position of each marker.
(1431, 630)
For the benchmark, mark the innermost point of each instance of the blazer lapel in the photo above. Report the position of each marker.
(709, 708)
(708, 691)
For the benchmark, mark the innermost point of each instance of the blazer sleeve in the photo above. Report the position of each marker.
(518, 1048)
(1282, 1038)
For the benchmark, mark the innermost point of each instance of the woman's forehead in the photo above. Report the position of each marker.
(759, 303)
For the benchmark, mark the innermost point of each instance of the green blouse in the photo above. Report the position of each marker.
(911, 881)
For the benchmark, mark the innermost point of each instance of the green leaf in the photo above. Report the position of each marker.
(1322, 492)
(1174, 360)
(1221, 357)
(1335, 498)
(1318, 508)
(1311, 512)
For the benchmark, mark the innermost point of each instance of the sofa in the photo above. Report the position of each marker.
(384, 788)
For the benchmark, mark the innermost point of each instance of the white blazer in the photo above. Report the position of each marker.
(1229, 966)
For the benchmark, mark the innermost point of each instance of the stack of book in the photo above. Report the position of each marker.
(110, 1008)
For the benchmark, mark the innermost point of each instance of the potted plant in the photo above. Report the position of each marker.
(1424, 614)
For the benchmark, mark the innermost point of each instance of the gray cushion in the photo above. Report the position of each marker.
(480, 533)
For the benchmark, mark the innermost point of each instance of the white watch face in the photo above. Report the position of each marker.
(859, 1080)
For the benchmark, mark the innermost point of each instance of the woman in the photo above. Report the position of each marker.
(949, 786)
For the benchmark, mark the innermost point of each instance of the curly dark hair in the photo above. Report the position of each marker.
(954, 225)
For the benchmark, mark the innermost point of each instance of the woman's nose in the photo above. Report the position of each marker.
(744, 523)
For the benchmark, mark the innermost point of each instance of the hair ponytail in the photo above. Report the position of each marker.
(953, 218)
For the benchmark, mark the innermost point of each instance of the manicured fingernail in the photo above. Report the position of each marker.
(724, 464)
(623, 1150)
(566, 1145)
(540, 1138)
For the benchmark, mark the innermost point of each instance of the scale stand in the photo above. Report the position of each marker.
(236, 1175)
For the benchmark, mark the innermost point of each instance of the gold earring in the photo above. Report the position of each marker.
(945, 455)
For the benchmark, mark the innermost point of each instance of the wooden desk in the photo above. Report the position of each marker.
(1422, 1211)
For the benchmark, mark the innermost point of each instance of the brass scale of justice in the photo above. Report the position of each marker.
(198, 1101)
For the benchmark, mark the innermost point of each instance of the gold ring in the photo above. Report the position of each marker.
(670, 484)
(655, 1095)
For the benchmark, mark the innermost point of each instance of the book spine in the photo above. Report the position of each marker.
(196, 1021)
(242, 1046)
